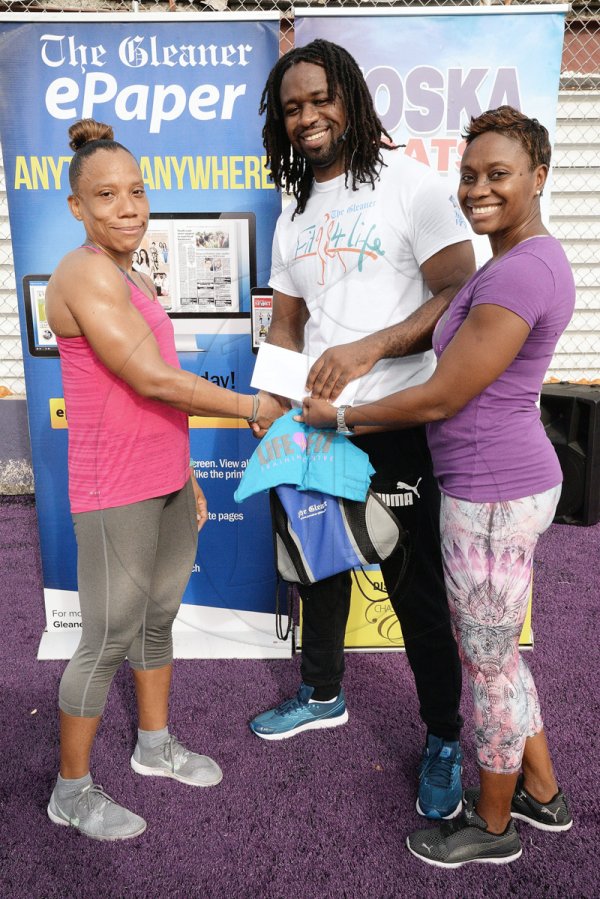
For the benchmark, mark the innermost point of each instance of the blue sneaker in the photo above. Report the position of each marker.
(298, 714)
(440, 789)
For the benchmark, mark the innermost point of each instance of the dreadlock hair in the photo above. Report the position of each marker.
(508, 121)
(363, 142)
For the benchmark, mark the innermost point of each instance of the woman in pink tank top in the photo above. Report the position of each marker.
(136, 507)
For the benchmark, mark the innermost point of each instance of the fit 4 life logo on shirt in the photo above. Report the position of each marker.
(343, 237)
(407, 497)
(291, 447)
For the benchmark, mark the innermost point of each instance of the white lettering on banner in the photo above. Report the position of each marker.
(137, 52)
(62, 90)
(426, 100)
(133, 53)
(158, 103)
(53, 53)
(427, 96)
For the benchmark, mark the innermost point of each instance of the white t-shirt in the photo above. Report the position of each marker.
(354, 257)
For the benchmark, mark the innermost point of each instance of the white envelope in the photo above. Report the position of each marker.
(285, 372)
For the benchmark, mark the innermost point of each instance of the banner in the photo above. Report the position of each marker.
(429, 72)
(182, 93)
(373, 624)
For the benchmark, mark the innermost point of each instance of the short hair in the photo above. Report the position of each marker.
(506, 120)
(362, 145)
(85, 138)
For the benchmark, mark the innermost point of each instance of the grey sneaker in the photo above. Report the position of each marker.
(174, 760)
(465, 839)
(553, 816)
(93, 813)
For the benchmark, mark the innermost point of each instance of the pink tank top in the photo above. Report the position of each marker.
(123, 448)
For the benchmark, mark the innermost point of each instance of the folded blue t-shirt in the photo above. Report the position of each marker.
(294, 453)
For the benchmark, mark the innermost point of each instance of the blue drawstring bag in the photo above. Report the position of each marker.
(317, 535)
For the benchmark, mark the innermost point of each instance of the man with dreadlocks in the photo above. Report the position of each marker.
(364, 264)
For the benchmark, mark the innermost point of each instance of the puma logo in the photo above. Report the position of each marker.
(554, 815)
(429, 848)
(406, 498)
(402, 486)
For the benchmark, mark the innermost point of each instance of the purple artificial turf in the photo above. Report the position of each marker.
(322, 815)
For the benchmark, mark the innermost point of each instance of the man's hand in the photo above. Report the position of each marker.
(270, 407)
(317, 413)
(201, 504)
(339, 365)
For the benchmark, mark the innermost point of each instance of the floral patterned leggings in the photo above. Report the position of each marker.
(487, 553)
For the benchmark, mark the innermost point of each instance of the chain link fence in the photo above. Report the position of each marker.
(575, 211)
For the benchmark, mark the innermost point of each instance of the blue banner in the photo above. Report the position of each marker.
(183, 96)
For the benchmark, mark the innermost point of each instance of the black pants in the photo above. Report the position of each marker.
(403, 474)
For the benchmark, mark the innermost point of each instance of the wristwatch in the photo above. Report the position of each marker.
(342, 427)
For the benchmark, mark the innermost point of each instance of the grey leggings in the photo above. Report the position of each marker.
(133, 565)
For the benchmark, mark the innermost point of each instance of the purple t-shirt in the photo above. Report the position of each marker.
(495, 448)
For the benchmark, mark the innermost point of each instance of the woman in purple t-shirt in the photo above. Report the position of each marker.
(499, 476)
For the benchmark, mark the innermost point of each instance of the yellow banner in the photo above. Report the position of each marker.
(372, 623)
(199, 421)
(58, 418)
(58, 415)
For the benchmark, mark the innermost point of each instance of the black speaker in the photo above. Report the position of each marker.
(571, 417)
